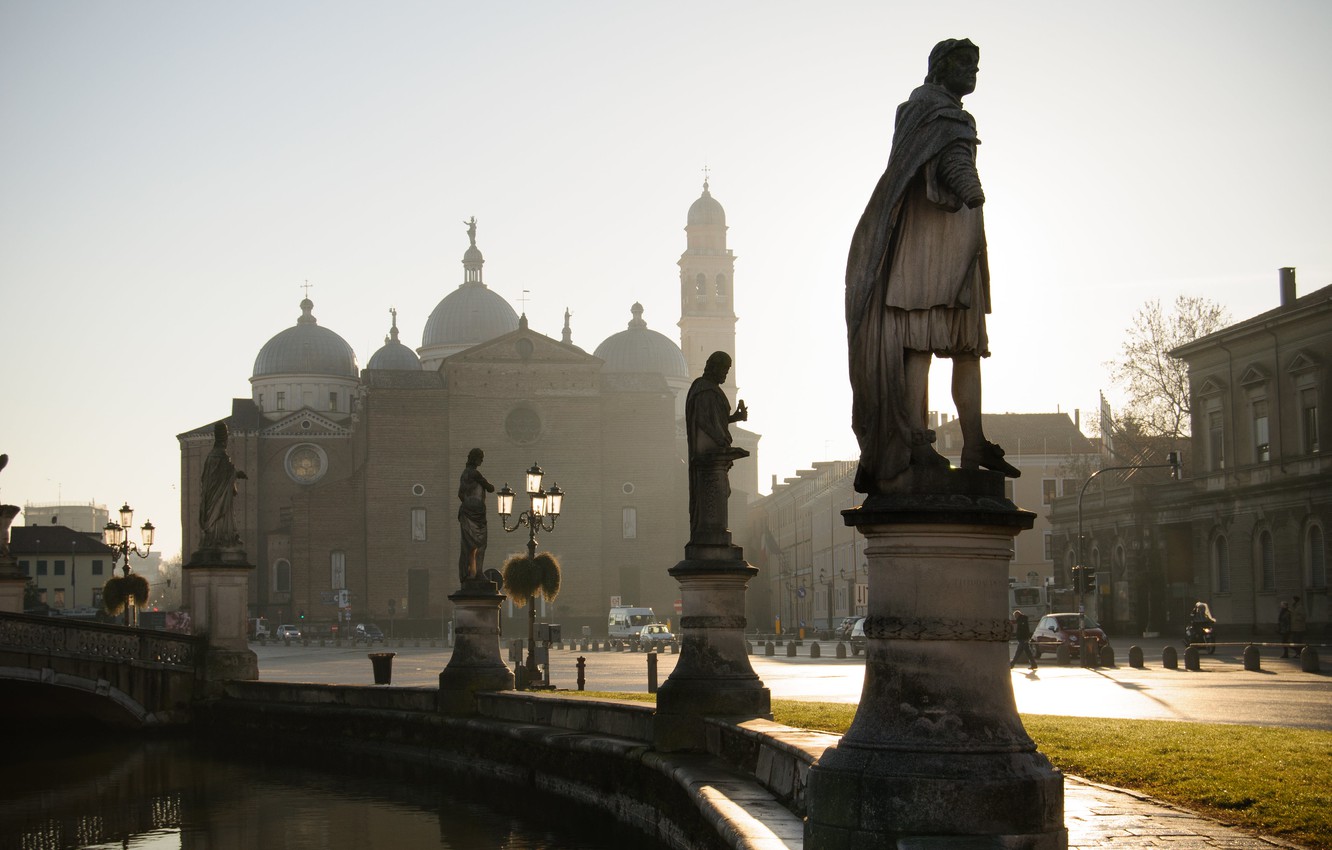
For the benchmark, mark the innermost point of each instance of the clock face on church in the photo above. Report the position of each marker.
(306, 464)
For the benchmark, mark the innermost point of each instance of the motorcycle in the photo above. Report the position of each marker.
(1201, 635)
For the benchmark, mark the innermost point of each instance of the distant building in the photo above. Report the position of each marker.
(1247, 527)
(88, 517)
(1054, 458)
(353, 474)
(69, 567)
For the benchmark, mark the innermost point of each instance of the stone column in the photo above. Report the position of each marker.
(476, 664)
(936, 755)
(217, 590)
(713, 677)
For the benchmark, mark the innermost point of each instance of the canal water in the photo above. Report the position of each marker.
(154, 794)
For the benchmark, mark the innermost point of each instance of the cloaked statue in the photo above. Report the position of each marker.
(708, 436)
(472, 490)
(918, 282)
(220, 475)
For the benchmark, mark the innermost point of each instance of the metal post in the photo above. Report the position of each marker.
(582, 672)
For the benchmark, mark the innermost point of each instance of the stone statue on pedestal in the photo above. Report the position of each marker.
(219, 488)
(472, 532)
(707, 415)
(918, 282)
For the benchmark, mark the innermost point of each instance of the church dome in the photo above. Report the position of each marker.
(470, 314)
(306, 349)
(706, 210)
(639, 349)
(394, 355)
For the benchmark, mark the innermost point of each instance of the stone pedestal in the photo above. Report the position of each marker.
(217, 591)
(12, 579)
(475, 665)
(936, 755)
(713, 677)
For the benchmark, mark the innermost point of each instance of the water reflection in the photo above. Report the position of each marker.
(179, 794)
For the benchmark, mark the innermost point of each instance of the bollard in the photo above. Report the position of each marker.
(841, 649)
(1309, 660)
(814, 650)
(1135, 657)
(1170, 658)
(791, 649)
(1062, 655)
(582, 672)
(1107, 656)
(1089, 654)
(1191, 661)
(769, 648)
(652, 671)
(1251, 661)
(382, 664)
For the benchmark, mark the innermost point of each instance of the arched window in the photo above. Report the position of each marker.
(1220, 565)
(1118, 560)
(1266, 560)
(1316, 574)
(721, 286)
(282, 576)
(701, 286)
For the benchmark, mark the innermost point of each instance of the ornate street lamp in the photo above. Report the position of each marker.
(544, 506)
(116, 535)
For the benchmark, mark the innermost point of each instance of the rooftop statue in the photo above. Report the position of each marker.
(219, 488)
(471, 230)
(918, 282)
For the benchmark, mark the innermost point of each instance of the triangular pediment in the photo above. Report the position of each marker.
(1211, 386)
(1253, 374)
(523, 346)
(1303, 361)
(305, 424)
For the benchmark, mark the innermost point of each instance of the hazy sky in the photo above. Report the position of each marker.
(171, 173)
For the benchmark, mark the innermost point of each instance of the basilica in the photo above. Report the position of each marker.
(349, 509)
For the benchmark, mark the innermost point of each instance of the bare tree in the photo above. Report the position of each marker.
(1158, 384)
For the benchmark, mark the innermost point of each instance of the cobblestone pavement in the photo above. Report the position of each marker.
(1099, 816)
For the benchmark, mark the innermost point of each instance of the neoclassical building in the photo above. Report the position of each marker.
(351, 496)
(1247, 527)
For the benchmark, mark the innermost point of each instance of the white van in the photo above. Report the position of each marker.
(625, 622)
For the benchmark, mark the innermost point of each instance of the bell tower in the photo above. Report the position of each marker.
(707, 278)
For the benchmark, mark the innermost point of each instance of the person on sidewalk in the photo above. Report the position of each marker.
(1023, 628)
(1283, 629)
(1299, 622)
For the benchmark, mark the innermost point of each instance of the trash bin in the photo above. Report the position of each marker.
(383, 666)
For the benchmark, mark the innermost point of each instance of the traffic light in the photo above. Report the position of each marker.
(1077, 579)
(302, 615)
(1088, 581)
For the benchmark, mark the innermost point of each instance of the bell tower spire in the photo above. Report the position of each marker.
(707, 277)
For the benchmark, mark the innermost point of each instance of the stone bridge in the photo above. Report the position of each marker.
(62, 670)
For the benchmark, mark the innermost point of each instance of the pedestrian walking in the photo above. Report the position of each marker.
(1023, 628)
(1299, 621)
(1283, 629)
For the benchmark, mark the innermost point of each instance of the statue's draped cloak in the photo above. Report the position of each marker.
(916, 278)
(707, 415)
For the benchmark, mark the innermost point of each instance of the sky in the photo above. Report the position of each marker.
(172, 174)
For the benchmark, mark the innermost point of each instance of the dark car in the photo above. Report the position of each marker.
(843, 630)
(1054, 630)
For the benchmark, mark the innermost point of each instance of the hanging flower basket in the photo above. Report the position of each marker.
(526, 578)
(119, 590)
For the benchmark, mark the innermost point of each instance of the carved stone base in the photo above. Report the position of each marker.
(936, 755)
(12, 582)
(475, 665)
(713, 677)
(223, 665)
(217, 592)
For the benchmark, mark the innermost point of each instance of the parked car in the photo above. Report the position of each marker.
(1052, 630)
(655, 635)
(288, 632)
(368, 632)
(858, 636)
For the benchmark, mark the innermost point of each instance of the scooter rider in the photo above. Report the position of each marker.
(1200, 621)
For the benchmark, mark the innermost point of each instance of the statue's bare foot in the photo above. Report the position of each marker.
(989, 456)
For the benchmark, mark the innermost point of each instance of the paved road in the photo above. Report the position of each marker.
(1223, 691)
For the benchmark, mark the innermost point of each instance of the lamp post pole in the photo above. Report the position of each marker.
(116, 535)
(543, 504)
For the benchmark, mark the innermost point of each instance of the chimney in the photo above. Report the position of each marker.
(1077, 418)
(1287, 277)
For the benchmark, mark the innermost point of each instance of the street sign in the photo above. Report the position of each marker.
(679, 606)
(615, 602)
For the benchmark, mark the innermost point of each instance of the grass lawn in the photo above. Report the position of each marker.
(1271, 780)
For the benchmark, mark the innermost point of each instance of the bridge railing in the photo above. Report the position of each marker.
(98, 641)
